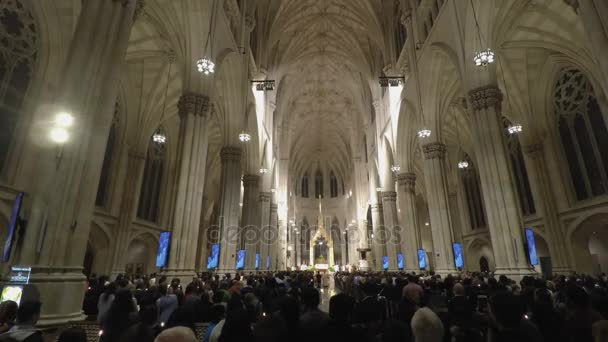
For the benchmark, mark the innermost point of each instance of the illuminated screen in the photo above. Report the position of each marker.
(531, 246)
(11, 293)
(400, 261)
(12, 225)
(268, 262)
(214, 259)
(163, 249)
(257, 261)
(421, 259)
(385, 262)
(240, 259)
(458, 260)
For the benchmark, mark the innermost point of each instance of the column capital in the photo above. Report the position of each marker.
(534, 150)
(434, 150)
(265, 196)
(193, 103)
(249, 22)
(250, 180)
(408, 181)
(406, 16)
(230, 153)
(389, 196)
(376, 207)
(485, 97)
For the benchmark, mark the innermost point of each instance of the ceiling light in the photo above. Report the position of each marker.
(205, 66)
(427, 224)
(59, 135)
(483, 58)
(263, 170)
(273, 190)
(395, 168)
(463, 164)
(264, 85)
(514, 129)
(159, 137)
(244, 137)
(378, 189)
(424, 133)
(64, 119)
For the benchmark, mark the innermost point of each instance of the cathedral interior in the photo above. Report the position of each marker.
(268, 135)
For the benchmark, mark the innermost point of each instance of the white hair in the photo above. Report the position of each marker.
(427, 326)
(177, 334)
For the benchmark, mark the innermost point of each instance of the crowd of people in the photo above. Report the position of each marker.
(366, 306)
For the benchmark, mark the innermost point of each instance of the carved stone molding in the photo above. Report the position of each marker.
(434, 150)
(251, 180)
(376, 207)
(408, 181)
(485, 97)
(534, 151)
(406, 17)
(193, 103)
(249, 23)
(230, 153)
(390, 196)
(273, 207)
(265, 196)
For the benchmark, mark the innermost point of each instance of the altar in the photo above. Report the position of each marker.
(321, 245)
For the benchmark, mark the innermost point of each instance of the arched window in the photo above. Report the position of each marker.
(583, 133)
(319, 184)
(304, 190)
(149, 196)
(18, 48)
(472, 192)
(522, 182)
(333, 185)
(104, 179)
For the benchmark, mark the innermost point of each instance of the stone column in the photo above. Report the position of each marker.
(497, 183)
(62, 196)
(358, 237)
(410, 236)
(266, 236)
(298, 243)
(128, 210)
(391, 226)
(274, 243)
(379, 240)
(343, 249)
(230, 188)
(250, 220)
(545, 203)
(192, 159)
(202, 251)
(439, 208)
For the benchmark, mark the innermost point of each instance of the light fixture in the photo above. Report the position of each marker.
(273, 190)
(395, 168)
(159, 137)
(353, 221)
(378, 189)
(350, 192)
(424, 133)
(320, 242)
(205, 66)
(514, 129)
(291, 222)
(344, 232)
(391, 81)
(244, 137)
(289, 248)
(264, 85)
(64, 119)
(427, 224)
(263, 170)
(240, 204)
(463, 164)
(372, 235)
(483, 58)
(59, 135)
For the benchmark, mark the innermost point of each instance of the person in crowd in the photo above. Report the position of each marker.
(580, 315)
(217, 314)
(146, 329)
(509, 321)
(25, 329)
(105, 301)
(176, 334)
(166, 304)
(426, 326)
(8, 315)
(237, 324)
(73, 334)
(312, 319)
(120, 317)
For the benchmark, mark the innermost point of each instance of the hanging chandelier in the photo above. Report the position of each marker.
(244, 137)
(483, 58)
(424, 133)
(463, 164)
(205, 66)
(395, 168)
(263, 170)
(514, 129)
(159, 137)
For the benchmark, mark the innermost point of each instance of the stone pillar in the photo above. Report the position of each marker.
(202, 251)
(594, 16)
(266, 236)
(344, 247)
(439, 208)
(379, 240)
(192, 159)
(497, 183)
(545, 203)
(358, 238)
(410, 236)
(230, 190)
(391, 226)
(274, 243)
(250, 220)
(128, 210)
(62, 196)
(298, 243)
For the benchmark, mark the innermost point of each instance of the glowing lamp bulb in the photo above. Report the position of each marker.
(64, 119)
(59, 135)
